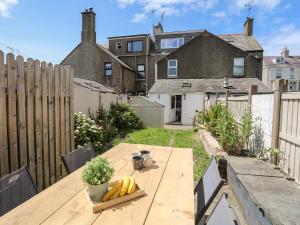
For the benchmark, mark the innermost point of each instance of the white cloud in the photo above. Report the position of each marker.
(287, 35)
(139, 17)
(264, 4)
(5, 7)
(220, 14)
(170, 7)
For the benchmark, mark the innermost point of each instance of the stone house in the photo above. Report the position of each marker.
(133, 63)
(285, 67)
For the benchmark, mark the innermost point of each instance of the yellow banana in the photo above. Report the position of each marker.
(116, 195)
(125, 185)
(112, 190)
(132, 186)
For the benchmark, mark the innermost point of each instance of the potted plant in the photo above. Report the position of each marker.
(96, 175)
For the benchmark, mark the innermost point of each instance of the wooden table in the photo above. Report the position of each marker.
(168, 185)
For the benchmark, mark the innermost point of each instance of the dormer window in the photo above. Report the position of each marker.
(279, 60)
(135, 46)
(171, 43)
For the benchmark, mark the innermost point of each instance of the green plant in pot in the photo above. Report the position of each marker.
(96, 175)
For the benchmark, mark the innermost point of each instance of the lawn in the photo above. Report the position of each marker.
(174, 138)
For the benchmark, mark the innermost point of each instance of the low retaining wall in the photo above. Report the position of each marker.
(211, 145)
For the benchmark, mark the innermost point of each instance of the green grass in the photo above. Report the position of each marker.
(174, 138)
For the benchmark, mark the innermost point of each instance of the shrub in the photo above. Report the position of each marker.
(87, 131)
(123, 118)
(97, 171)
(231, 135)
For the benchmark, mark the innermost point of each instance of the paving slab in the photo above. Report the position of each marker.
(259, 187)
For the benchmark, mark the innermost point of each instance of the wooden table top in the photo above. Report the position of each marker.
(168, 185)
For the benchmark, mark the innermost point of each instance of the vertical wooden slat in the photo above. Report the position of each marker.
(30, 118)
(51, 123)
(62, 115)
(4, 157)
(12, 114)
(45, 124)
(72, 108)
(38, 124)
(22, 111)
(67, 110)
(57, 121)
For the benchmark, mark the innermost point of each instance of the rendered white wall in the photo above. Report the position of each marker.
(262, 111)
(190, 103)
(84, 99)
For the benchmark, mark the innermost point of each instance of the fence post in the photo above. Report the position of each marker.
(252, 91)
(279, 85)
(227, 94)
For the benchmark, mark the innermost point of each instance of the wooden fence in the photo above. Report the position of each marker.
(289, 134)
(36, 117)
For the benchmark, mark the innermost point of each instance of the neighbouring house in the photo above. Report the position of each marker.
(182, 97)
(133, 63)
(282, 67)
(90, 95)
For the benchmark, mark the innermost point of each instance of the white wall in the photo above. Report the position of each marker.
(84, 99)
(262, 111)
(190, 103)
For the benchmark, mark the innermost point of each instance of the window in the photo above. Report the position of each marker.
(279, 60)
(292, 73)
(118, 45)
(107, 69)
(278, 73)
(141, 72)
(171, 42)
(172, 68)
(173, 99)
(135, 46)
(238, 67)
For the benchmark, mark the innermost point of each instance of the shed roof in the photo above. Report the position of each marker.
(179, 86)
(143, 100)
(93, 85)
(242, 41)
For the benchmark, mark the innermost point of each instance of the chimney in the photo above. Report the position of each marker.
(285, 52)
(88, 33)
(157, 29)
(248, 26)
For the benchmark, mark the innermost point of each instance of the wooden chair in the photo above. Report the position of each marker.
(221, 214)
(207, 189)
(16, 188)
(78, 158)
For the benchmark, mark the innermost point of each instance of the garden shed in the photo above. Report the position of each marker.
(150, 112)
(91, 95)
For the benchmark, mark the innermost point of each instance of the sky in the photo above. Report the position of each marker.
(49, 29)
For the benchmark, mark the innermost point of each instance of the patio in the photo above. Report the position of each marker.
(166, 200)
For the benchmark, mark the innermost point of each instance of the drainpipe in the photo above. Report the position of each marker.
(146, 67)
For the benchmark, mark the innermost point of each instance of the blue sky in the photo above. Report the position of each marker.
(50, 29)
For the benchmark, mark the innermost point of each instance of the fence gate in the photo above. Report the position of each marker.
(36, 117)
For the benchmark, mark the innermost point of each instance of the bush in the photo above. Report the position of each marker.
(97, 171)
(231, 135)
(123, 118)
(87, 131)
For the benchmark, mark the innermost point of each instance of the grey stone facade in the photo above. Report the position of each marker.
(203, 55)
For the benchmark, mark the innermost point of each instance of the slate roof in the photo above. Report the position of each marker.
(115, 57)
(246, 43)
(236, 85)
(271, 60)
(93, 85)
(180, 32)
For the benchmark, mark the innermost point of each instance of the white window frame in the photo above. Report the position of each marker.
(235, 66)
(172, 67)
(164, 43)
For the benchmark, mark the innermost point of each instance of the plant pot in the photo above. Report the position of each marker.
(96, 192)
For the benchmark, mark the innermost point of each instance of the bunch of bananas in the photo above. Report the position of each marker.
(122, 187)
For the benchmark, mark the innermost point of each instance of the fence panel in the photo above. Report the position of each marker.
(289, 134)
(36, 117)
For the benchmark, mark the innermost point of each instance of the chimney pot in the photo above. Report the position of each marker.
(285, 52)
(157, 29)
